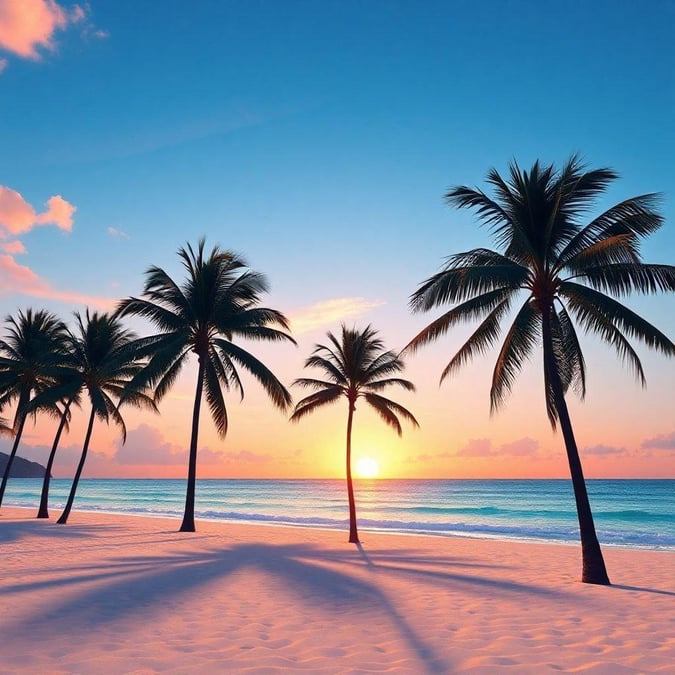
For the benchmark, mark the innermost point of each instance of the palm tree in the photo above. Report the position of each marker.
(29, 359)
(355, 366)
(64, 391)
(107, 358)
(567, 272)
(216, 302)
(43, 508)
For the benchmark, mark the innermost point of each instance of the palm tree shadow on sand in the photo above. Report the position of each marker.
(16, 530)
(147, 583)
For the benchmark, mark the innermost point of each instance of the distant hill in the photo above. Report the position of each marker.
(21, 468)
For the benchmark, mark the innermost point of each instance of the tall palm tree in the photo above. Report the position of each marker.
(60, 396)
(218, 301)
(355, 366)
(29, 359)
(567, 272)
(107, 358)
(43, 508)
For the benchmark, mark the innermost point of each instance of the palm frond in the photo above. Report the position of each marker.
(517, 347)
(214, 397)
(637, 216)
(274, 389)
(310, 403)
(469, 310)
(573, 353)
(460, 283)
(481, 340)
(389, 411)
(594, 320)
(628, 321)
(378, 385)
(622, 279)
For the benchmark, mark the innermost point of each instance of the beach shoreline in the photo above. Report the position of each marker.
(111, 593)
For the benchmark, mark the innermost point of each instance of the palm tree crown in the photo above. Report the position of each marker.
(218, 301)
(103, 360)
(355, 366)
(567, 272)
(104, 357)
(30, 358)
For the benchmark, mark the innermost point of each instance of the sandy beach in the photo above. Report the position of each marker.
(118, 594)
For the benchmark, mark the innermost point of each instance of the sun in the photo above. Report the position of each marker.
(367, 467)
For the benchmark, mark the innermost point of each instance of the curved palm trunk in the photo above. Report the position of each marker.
(73, 488)
(10, 459)
(188, 524)
(353, 532)
(593, 564)
(43, 511)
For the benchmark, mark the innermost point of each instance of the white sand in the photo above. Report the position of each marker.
(114, 594)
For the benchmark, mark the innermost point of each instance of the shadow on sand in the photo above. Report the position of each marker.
(117, 588)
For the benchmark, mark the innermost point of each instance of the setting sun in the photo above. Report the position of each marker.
(367, 467)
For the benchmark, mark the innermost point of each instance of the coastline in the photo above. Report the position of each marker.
(114, 593)
(636, 514)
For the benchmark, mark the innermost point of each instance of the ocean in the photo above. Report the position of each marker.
(628, 513)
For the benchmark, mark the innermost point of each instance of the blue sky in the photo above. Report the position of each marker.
(318, 140)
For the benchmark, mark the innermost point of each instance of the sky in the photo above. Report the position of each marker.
(317, 140)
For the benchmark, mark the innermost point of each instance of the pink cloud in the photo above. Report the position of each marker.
(329, 312)
(523, 447)
(59, 212)
(476, 447)
(601, 450)
(18, 216)
(662, 442)
(3, 64)
(26, 25)
(13, 247)
(482, 447)
(77, 14)
(15, 278)
(145, 445)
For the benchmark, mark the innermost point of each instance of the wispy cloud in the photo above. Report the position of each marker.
(482, 447)
(329, 312)
(15, 278)
(146, 446)
(118, 234)
(523, 447)
(662, 442)
(3, 64)
(476, 447)
(601, 450)
(13, 247)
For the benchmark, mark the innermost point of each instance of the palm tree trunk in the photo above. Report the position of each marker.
(353, 532)
(10, 459)
(188, 524)
(43, 511)
(593, 564)
(73, 488)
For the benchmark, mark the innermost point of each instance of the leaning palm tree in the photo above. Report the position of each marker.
(218, 301)
(355, 366)
(567, 272)
(64, 392)
(29, 358)
(107, 358)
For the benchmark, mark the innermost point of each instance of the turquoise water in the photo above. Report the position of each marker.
(630, 513)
